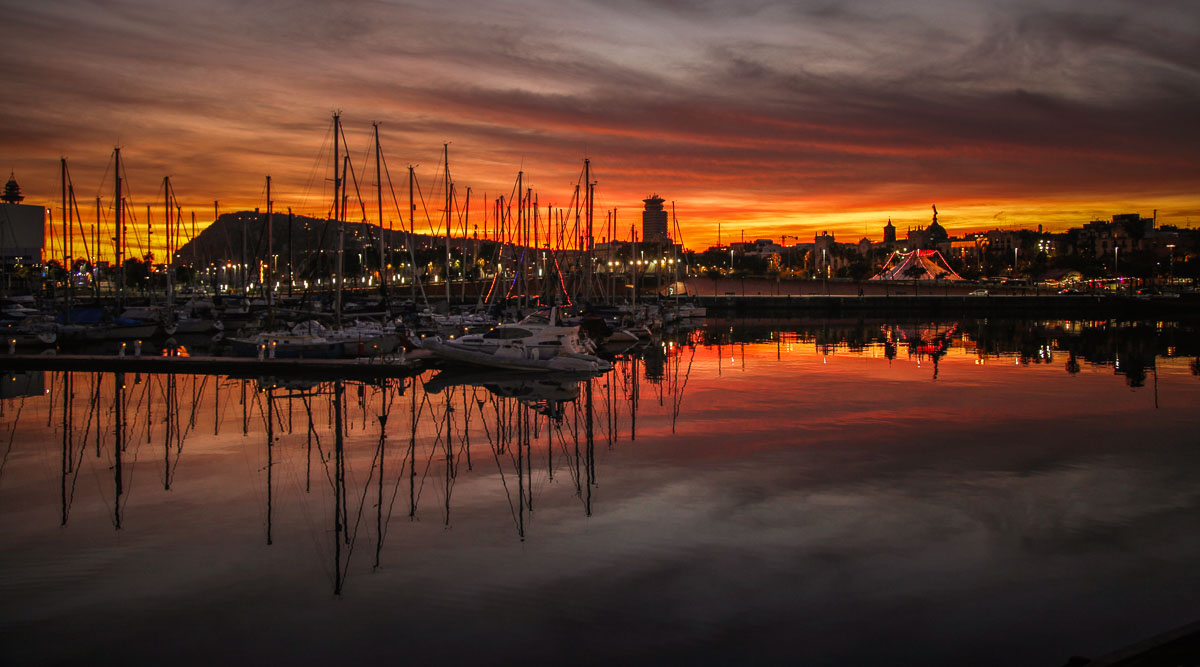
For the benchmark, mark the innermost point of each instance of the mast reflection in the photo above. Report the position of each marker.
(365, 445)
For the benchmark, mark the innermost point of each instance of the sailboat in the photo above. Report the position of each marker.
(311, 339)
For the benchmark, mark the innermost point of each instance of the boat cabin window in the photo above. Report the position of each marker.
(508, 333)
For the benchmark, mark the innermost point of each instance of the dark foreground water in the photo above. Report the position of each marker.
(987, 493)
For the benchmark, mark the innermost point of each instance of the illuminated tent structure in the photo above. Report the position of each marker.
(916, 265)
(676, 288)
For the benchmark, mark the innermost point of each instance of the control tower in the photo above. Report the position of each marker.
(654, 221)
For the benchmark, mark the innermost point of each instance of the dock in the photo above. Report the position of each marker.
(357, 369)
(942, 305)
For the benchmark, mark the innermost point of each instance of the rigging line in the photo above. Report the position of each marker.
(357, 192)
(252, 469)
(424, 206)
(312, 174)
(365, 164)
(317, 440)
(395, 491)
(314, 533)
(425, 401)
(131, 221)
(75, 475)
(79, 222)
(507, 493)
(104, 177)
(361, 505)
(132, 210)
(454, 207)
(11, 435)
(50, 409)
(572, 470)
(513, 192)
(138, 408)
(92, 409)
(408, 234)
(679, 394)
(128, 486)
(488, 432)
(428, 465)
(192, 419)
(384, 414)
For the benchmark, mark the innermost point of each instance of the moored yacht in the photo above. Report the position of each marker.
(286, 344)
(537, 343)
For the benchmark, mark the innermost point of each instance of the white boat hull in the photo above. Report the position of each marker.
(528, 360)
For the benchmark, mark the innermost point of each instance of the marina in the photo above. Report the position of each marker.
(638, 333)
(514, 448)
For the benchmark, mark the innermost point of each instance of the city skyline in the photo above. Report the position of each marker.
(770, 120)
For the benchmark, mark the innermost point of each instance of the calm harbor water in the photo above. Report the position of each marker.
(824, 492)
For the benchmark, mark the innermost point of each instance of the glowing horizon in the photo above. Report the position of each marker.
(775, 120)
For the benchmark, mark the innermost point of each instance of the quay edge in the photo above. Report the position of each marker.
(1175, 307)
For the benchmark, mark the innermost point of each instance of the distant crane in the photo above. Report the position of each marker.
(783, 241)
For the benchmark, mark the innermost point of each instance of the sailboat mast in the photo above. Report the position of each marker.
(522, 301)
(612, 280)
(119, 252)
(467, 235)
(449, 201)
(291, 252)
(337, 165)
(66, 234)
(269, 283)
(675, 256)
(383, 267)
(341, 252)
(411, 230)
(167, 217)
(65, 216)
(245, 259)
(337, 198)
(96, 249)
(587, 181)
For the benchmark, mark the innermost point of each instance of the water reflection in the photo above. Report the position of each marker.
(371, 444)
(727, 445)
(1130, 348)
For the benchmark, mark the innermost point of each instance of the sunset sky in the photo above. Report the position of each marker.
(771, 118)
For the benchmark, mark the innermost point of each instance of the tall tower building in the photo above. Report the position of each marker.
(654, 221)
(12, 191)
(22, 227)
(889, 232)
